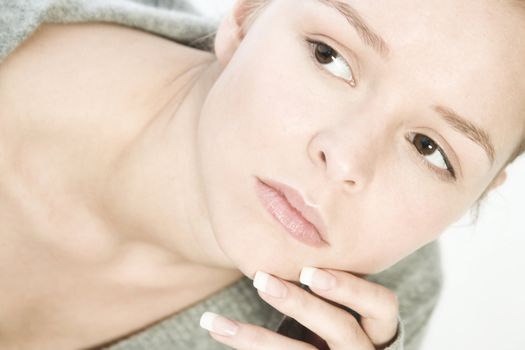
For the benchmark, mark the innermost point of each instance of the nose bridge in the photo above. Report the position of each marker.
(349, 150)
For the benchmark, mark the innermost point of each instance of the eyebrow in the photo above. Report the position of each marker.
(369, 37)
(470, 130)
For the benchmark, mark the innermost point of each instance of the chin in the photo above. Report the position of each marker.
(284, 273)
(275, 260)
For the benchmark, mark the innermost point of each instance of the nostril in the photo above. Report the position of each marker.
(323, 157)
(350, 182)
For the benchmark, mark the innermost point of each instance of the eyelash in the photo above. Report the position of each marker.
(447, 175)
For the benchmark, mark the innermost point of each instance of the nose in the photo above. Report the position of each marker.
(346, 159)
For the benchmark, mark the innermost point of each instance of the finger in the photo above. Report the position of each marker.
(247, 336)
(333, 324)
(377, 305)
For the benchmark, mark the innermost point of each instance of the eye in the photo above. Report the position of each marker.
(437, 159)
(329, 59)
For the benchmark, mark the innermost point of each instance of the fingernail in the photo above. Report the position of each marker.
(316, 278)
(269, 285)
(218, 324)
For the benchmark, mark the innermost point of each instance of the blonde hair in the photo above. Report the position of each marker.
(252, 9)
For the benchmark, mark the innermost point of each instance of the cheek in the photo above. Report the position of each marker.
(396, 215)
(254, 122)
(408, 224)
(274, 88)
(242, 133)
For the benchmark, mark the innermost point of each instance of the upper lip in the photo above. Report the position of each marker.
(296, 200)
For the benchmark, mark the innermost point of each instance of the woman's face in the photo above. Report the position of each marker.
(356, 131)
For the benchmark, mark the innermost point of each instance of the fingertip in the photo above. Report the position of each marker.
(306, 276)
(218, 324)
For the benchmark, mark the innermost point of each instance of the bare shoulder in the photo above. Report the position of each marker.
(78, 45)
(71, 77)
(96, 65)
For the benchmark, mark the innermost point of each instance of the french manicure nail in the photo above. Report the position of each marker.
(218, 324)
(317, 278)
(269, 284)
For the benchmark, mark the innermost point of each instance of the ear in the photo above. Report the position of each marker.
(230, 32)
(498, 181)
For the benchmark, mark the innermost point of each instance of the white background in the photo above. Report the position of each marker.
(483, 302)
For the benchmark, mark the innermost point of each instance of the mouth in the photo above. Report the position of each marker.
(288, 207)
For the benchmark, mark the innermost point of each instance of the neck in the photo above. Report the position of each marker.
(162, 203)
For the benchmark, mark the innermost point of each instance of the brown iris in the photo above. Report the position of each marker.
(424, 144)
(325, 53)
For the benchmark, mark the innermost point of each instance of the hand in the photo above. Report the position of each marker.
(377, 306)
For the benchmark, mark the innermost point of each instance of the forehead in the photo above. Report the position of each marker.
(484, 32)
(468, 54)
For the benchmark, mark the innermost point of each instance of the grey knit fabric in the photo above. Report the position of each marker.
(177, 20)
(417, 279)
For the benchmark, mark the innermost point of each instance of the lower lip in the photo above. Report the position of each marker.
(277, 205)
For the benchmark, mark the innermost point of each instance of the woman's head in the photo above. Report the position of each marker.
(348, 101)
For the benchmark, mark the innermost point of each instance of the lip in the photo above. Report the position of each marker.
(287, 206)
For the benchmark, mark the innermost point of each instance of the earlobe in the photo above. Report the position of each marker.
(499, 180)
(230, 32)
